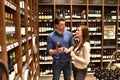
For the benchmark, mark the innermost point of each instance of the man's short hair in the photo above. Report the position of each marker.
(58, 19)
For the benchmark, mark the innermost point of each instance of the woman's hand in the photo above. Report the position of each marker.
(72, 54)
(66, 50)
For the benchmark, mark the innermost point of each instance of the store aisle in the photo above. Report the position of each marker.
(89, 77)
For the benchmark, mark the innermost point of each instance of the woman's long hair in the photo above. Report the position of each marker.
(85, 38)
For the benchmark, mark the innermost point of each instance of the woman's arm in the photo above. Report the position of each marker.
(86, 54)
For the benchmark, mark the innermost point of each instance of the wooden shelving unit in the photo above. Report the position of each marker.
(102, 16)
(19, 38)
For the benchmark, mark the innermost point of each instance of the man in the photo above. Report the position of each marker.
(59, 45)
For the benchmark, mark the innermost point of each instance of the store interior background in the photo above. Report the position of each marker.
(25, 25)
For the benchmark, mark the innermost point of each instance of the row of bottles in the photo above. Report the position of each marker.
(63, 13)
(92, 67)
(10, 28)
(23, 55)
(46, 27)
(75, 25)
(30, 28)
(44, 56)
(22, 26)
(107, 54)
(96, 53)
(95, 27)
(76, 14)
(110, 13)
(95, 40)
(12, 65)
(9, 19)
(46, 70)
(45, 13)
(79, 14)
(43, 42)
(94, 14)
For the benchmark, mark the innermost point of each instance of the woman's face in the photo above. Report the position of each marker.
(79, 32)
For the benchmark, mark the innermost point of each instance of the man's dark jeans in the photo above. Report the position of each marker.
(61, 66)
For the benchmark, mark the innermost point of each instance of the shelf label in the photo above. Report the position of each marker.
(29, 51)
(12, 46)
(24, 40)
(29, 38)
(95, 1)
(30, 60)
(62, 1)
(10, 29)
(8, 4)
(16, 44)
(79, 1)
(8, 47)
(0, 48)
(110, 1)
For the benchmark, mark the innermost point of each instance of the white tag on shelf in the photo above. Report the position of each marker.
(34, 45)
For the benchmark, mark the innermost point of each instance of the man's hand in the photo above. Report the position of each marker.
(60, 50)
(66, 50)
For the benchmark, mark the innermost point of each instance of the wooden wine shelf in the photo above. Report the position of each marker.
(18, 27)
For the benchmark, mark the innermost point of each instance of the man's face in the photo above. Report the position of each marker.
(61, 26)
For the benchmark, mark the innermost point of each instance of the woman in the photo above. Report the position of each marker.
(81, 54)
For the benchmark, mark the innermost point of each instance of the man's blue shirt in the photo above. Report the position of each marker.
(65, 40)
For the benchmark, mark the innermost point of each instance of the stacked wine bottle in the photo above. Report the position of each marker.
(107, 74)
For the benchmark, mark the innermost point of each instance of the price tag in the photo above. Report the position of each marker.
(8, 48)
(29, 38)
(0, 48)
(12, 46)
(10, 5)
(16, 44)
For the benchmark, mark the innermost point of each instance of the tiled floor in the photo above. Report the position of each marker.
(89, 77)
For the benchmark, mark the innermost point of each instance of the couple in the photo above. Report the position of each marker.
(62, 46)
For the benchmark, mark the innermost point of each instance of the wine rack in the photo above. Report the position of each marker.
(100, 16)
(119, 28)
(18, 27)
